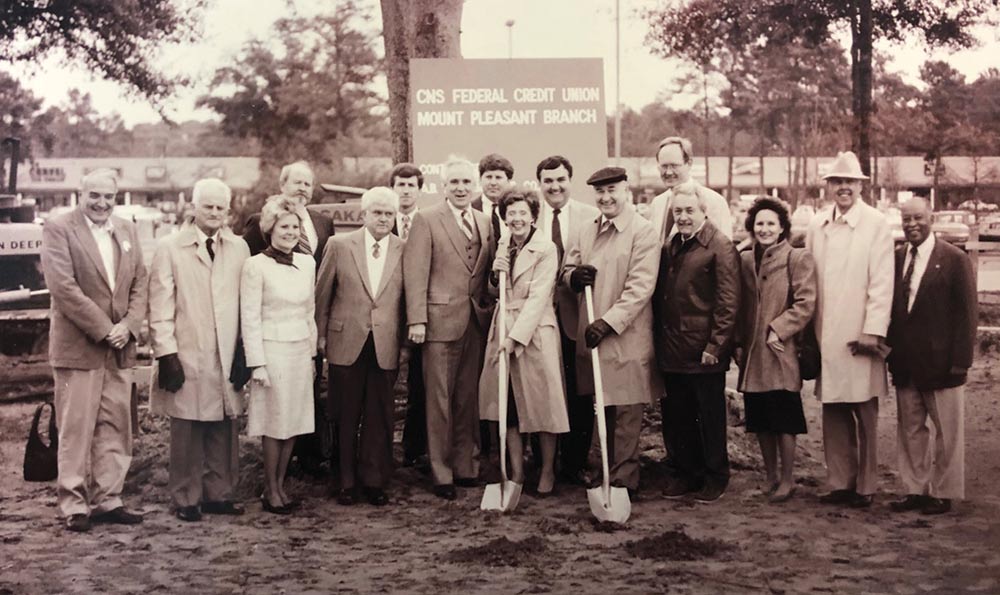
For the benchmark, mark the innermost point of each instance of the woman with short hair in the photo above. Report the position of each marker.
(277, 302)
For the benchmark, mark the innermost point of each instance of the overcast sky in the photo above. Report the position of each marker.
(542, 29)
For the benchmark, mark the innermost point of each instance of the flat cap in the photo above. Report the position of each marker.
(607, 175)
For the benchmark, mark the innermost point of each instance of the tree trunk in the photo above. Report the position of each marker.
(732, 151)
(708, 123)
(414, 29)
(861, 78)
(760, 160)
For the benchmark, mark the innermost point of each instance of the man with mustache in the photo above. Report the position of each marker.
(93, 268)
(852, 245)
(932, 335)
(674, 157)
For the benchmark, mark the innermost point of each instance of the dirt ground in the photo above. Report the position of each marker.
(422, 544)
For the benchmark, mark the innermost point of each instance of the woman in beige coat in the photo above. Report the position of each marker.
(779, 299)
(532, 341)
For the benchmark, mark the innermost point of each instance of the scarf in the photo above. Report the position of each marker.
(279, 256)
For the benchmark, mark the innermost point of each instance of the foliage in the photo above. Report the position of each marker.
(118, 39)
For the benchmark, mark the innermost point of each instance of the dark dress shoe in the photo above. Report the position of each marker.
(936, 506)
(910, 502)
(677, 488)
(78, 523)
(347, 497)
(376, 496)
(446, 491)
(862, 501)
(468, 482)
(226, 507)
(118, 516)
(188, 513)
(838, 497)
(709, 493)
(271, 508)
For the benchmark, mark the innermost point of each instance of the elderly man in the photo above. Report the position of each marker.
(618, 254)
(445, 266)
(932, 334)
(94, 270)
(696, 302)
(562, 220)
(852, 245)
(674, 157)
(194, 321)
(359, 318)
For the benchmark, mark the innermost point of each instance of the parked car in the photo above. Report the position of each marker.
(989, 229)
(952, 226)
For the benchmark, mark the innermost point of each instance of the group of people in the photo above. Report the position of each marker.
(674, 304)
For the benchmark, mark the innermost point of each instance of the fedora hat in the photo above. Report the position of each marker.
(846, 166)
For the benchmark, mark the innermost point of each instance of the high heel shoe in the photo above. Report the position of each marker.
(268, 507)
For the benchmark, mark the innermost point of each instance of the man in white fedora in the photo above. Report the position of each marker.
(852, 245)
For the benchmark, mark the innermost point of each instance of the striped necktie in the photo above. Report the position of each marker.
(467, 224)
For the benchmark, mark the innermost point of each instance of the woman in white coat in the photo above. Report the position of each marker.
(538, 401)
(277, 303)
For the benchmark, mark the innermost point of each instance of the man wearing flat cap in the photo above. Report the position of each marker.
(618, 254)
(852, 245)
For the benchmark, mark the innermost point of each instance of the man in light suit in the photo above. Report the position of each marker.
(852, 245)
(359, 319)
(194, 322)
(561, 220)
(932, 335)
(94, 270)
(674, 157)
(445, 266)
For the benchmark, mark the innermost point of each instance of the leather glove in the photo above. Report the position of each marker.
(581, 277)
(171, 377)
(596, 331)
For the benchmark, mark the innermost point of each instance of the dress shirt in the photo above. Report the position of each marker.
(919, 266)
(458, 213)
(375, 265)
(548, 213)
(106, 246)
(203, 237)
(309, 228)
(399, 222)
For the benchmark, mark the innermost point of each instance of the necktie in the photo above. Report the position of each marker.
(304, 246)
(605, 226)
(495, 223)
(208, 246)
(376, 251)
(557, 233)
(908, 276)
(405, 232)
(467, 224)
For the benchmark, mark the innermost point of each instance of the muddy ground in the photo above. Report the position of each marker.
(422, 544)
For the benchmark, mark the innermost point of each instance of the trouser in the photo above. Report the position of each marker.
(204, 460)
(362, 397)
(938, 472)
(95, 436)
(850, 444)
(415, 424)
(574, 445)
(451, 379)
(624, 424)
(694, 428)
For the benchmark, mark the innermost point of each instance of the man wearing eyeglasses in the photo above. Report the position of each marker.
(94, 270)
(674, 157)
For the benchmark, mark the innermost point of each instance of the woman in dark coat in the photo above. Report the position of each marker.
(779, 298)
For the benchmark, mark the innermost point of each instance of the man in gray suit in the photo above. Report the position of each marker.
(94, 271)
(445, 265)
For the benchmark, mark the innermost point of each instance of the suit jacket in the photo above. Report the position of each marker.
(442, 291)
(194, 311)
(83, 306)
(257, 242)
(348, 307)
(627, 258)
(933, 344)
(496, 227)
(580, 216)
(277, 303)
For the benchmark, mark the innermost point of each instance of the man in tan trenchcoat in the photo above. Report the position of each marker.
(852, 245)
(618, 255)
(194, 306)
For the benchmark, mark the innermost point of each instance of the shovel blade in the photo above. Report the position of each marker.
(614, 509)
(501, 497)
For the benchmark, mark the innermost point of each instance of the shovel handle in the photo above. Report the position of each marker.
(502, 381)
(602, 423)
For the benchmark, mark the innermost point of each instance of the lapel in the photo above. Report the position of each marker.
(361, 259)
(483, 224)
(458, 239)
(527, 258)
(588, 234)
(190, 238)
(930, 275)
(86, 239)
(392, 255)
(124, 247)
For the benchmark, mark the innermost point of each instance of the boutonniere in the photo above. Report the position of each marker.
(126, 246)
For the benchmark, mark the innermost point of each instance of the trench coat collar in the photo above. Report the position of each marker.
(188, 235)
(529, 255)
(852, 217)
(621, 222)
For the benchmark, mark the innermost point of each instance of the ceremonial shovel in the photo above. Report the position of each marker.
(502, 496)
(607, 503)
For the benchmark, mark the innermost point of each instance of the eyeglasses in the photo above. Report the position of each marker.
(671, 166)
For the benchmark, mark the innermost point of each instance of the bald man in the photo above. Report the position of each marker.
(94, 270)
(194, 305)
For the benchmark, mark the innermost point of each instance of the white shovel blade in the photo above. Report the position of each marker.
(617, 509)
(501, 497)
